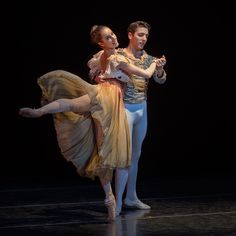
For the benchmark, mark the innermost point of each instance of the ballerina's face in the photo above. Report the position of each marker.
(108, 39)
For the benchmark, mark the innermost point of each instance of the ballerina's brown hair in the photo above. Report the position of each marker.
(95, 33)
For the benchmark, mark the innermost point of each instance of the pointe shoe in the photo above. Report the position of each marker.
(136, 204)
(110, 203)
(30, 113)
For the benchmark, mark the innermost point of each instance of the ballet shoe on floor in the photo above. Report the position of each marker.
(136, 204)
(110, 203)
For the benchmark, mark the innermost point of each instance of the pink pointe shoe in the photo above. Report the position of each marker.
(30, 113)
(110, 203)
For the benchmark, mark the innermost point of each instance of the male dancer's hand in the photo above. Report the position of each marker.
(99, 80)
(160, 63)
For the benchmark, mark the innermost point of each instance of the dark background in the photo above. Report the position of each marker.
(191, 127)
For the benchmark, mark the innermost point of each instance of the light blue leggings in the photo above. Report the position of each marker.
(137, 120)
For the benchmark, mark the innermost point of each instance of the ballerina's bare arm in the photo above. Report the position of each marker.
(132, 69)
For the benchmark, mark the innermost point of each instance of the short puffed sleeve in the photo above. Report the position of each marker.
(94, 65)
(112, 71)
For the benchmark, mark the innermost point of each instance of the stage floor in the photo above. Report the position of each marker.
(179, 207)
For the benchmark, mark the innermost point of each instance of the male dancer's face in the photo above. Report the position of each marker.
(139, 38)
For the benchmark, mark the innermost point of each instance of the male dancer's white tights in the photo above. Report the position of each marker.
(137, 120)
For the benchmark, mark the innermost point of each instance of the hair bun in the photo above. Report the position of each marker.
(94, 27)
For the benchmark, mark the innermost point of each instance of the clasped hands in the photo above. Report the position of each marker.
(160, 63)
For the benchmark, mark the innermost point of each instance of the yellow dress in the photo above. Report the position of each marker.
(98, 141)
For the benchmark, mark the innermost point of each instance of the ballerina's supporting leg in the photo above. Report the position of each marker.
(109, 201)
(81, 104)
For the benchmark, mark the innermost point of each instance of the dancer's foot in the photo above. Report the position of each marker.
(136, 204)
(118, 209)
(30, 113)
(110, 203)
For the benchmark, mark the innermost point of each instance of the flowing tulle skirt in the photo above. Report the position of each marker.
(98, 141)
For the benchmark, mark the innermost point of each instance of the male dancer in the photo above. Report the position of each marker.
(135, 96)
